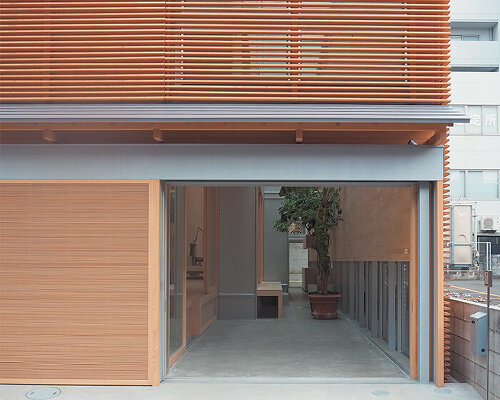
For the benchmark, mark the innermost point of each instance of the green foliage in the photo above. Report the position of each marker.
(318, 210)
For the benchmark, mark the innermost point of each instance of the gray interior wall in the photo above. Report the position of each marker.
(237, 269)
(275, 243)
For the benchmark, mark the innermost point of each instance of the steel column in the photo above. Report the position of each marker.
(423, 281)
(391, 314)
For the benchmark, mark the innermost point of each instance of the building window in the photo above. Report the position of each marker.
(465, 38)
(472, 31)
(470, 38)
(490, 120)
(475, 114)
(483, 120)
(457, 184)
(474, 184)
(482, 184)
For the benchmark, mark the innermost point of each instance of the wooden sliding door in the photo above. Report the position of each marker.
(79, 282)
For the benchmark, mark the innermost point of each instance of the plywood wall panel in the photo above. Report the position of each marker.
(74, 281)
(376, 225)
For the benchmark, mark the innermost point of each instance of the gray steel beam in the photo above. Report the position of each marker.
(361, 294)
(345, 286)
(351, 265)
(423, 280)
(374, 294)
(391, 314)
(374, 298)
(380, 273)
(224, 163)
(399, 306)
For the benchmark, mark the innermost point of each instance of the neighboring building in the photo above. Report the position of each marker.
(120, 120)
(475, 147)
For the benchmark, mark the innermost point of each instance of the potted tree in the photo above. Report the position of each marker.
(318, 210)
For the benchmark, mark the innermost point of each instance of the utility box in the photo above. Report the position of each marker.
(478, 333)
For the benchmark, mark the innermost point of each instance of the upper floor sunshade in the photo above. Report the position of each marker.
(277, 51)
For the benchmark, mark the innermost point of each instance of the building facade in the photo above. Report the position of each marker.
(110, 110)
(475, 147)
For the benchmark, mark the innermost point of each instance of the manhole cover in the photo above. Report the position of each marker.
(381, 393)
(442, 391)
(43, 393)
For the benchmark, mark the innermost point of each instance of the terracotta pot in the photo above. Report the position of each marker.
(324, 306)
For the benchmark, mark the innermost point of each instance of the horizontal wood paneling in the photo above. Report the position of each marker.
(74, 282)
(233, 51)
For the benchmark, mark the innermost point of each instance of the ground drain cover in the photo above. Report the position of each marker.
(380, 393)
(442, 391)
(43, 393)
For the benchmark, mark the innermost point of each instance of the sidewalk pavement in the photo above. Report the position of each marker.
(184, 390)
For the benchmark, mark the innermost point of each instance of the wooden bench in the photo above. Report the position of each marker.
(271, 289)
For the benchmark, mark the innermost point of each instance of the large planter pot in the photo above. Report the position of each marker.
(324, 306)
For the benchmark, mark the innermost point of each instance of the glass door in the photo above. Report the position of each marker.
(176, 273)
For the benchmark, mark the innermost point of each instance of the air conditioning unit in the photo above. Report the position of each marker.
(489, 224)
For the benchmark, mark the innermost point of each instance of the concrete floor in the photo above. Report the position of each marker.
(235, 391)
(296, 346)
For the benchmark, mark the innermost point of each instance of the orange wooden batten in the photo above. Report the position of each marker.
(210, 51)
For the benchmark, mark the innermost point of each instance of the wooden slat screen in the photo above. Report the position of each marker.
(74, 282)
(79, 50)
(389, 51)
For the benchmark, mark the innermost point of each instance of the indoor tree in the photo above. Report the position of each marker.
(318, 210)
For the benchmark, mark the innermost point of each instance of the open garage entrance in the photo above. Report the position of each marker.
(230, 310)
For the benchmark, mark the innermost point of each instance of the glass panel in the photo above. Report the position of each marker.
(490, 120)
(458, 128)
(211, 234)
(457, 184)
(475, 114)
(482, 184)
(455, 38)
(470, 38)
(176, 267)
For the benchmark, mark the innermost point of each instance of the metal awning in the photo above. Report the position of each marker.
(223, 112)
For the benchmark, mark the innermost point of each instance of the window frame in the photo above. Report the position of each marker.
(466, 185)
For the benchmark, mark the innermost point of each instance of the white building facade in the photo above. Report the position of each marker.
(475, 147)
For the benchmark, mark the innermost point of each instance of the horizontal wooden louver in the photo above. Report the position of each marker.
(72, 51)
(386, 51)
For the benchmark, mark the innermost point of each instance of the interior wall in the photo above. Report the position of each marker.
(195, 208)
(275, 243)
(237, 265)
(79, 261)
(376, 224)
